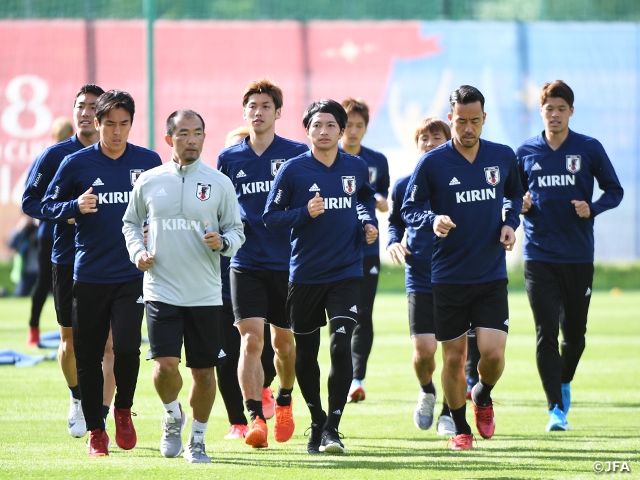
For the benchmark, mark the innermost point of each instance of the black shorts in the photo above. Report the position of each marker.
(63, 293)
(306, 303)
(200, 326)
(460, 308)
(260, 294)
(421, 321)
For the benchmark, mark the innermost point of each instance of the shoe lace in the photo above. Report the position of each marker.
(197, 448)
(427, 404)
(124, 419)
(285, 415)
(485, 414)
(172, 428)
(96, 442)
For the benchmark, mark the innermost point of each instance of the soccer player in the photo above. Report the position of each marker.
(228, 372)
(351, 143)
(190, 207)
(323, 196)
(466, 182)
(431, 133)
(259, 270)
(93, 186)
(61, 129)
(558, 168)
(63, 252)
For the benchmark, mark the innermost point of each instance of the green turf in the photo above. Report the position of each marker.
(381, 440)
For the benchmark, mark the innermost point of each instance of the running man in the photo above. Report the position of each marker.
(465, 182)
(351, 143)
(93, 186)
(63, 253)
(558, 169)
(228, 372)
(323, 196)
(192, 209)
(259, 270)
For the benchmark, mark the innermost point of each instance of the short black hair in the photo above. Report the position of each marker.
(326, 106)
(88, 88)
(171, 121)
(114, 99)
(466, 94)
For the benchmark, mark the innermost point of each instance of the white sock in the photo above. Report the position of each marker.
(173, 409)
(198, 429)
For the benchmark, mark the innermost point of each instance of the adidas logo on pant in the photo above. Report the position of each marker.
(222, 354)
(341, 330)
(140, 299)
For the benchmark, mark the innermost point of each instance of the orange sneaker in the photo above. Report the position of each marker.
(463, 441)
(284, 426)
(98, 443)
(485, 419)
(236, 431)
(126, 437)
(268, 403)
(33, 337)
(257, 434)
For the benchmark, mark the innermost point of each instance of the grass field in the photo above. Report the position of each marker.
(380, 437)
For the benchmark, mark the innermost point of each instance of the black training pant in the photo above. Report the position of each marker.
(362, 341)
(44, 283)
(559, 295)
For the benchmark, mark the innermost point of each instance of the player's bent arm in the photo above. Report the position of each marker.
(608, 182)
(230, 222)
(133, 225)
(57, 203)
(276, 212)
(35, 190)
(513, 197)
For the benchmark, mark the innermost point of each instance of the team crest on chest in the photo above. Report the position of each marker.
(135, 173)
(492, 175)
(203, 191)
(349, 184)
(373, 175)
(275, 165)
(573, 163)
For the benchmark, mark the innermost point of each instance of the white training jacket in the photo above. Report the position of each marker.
(177, 201)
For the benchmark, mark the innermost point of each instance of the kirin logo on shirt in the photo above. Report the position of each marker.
(275, 165)
(349, 184)
(492, 175)
(203, 191)
(135, 173)
(373, 175)
(573, 163)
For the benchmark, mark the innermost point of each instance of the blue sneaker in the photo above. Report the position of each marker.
(566, 396)
(558, 421)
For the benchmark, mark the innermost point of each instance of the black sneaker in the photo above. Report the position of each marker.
(315, 437)
(331, 442)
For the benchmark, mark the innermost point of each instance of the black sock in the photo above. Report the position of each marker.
(105, 413)
(445, 409)
(75, 392)
(254, 407)
(284, 397)
(429, 388)
(460, 420)
(482, 393)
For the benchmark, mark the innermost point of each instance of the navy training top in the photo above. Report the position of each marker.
(42, 172)
(417, 267)
(252, 176)
(379, 180)
(553, 231)
(472, 195)
(327, 248)
(101, 254)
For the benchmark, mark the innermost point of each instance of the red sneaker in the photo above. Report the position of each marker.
(463, 441)
(284, 426)
(126, 437)
(257, 434)
(33, 337)
(268, 403)
(236, 431)
(485, 419)
(98, 443)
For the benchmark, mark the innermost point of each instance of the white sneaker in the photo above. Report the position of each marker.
(76, 423)
(423, 415)
(172, 428)
(445, 426)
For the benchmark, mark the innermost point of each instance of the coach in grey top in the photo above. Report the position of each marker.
(193, 217)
